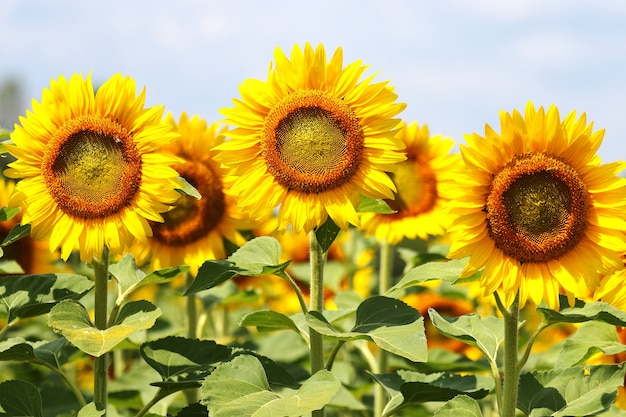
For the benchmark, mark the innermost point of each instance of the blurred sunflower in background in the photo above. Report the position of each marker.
(311, 140)
(195, 229)
(537, 209)
(419, 181)
(90, 166)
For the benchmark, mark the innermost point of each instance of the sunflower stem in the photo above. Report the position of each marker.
(316, 304)
(101, 278)
(511, 365)
(384, 283)
(192, 395)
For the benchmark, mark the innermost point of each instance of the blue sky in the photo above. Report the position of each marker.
(456, 63)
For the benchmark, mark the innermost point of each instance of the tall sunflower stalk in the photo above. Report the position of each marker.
(101, 318)
(316, 340)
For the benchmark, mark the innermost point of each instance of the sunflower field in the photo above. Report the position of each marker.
(311, 254)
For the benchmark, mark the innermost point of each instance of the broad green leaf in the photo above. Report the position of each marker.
(213, 273)
(583, 312)
(32, 295)
(379, 311)
(194, 410)
(5, 134)
(326, 234)
(374, 205)
(179, 358)
(17, 232)
(130, 278)
(485, 333)
(188, 189)
(265, 320)
(460, 406)
(408, 388)
(71, 319)
(91, 410)
(19, 349)
(240, 389)
(7, 213)
(20, 398)
(448, 271)
(259, 256)
(10, 267)
(388, 322)
(575, 391)
(590, 338)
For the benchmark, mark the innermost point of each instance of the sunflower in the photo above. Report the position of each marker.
(195, 229)
(419, 181)
(537, 208)
(311, 140)
(92, 174)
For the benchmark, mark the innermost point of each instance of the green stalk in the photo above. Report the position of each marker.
(316, 304)
(385, 274)
(101, 277)
(511, 366)
(192, 395)
(192, 310)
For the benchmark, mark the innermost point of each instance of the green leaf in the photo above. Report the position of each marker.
(4, 135)
(448, 271)
(91, 410)
(213, 273)
(20, 398)
(188, 189)
(576, 391)
(266, 320)
(71, 319)
(408, 388)
(583, 312)
(7, 213)
(183, 359)
(42, 352)
(240, 389)
(32, 295)
(10, 267)
(374, 205)
(485, 333)
(591, 338)
(17, 232)
(390, 323)
(326, 234)
(460, 406)
(259, 256)
(193, 410)
(130, 278)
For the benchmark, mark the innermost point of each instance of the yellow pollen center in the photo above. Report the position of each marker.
(312, 142)
(417, 188)
(192, 219)
(537, 208)
(92, 167)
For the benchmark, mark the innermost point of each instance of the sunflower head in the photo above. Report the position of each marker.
(311, 140)
(195, 229)
(420, 188)
(537, 209)
(90, 167)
